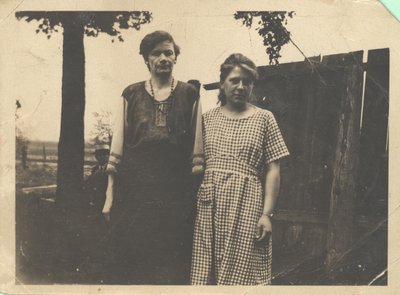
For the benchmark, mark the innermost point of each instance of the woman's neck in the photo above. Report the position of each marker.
(232, 112)
(161, 82)
(236, 109)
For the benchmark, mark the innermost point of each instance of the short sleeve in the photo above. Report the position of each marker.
(274, 145)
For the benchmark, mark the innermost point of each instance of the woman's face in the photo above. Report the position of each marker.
(237, 87)
(161, 59)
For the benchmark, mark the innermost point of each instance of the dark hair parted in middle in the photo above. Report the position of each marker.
(236, 60)
(151, 40)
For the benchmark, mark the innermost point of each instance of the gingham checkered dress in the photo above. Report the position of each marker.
(230, 199)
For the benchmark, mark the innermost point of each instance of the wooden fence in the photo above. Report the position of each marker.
(46, 152)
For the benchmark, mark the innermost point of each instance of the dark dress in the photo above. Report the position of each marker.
(153, 212)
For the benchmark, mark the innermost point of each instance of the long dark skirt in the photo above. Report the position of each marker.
(152, 223)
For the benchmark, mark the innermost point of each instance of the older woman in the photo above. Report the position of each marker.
(242, 148)
(149, 194)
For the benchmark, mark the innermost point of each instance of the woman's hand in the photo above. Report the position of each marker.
(264, 229)
(107, 207)
(109, 199)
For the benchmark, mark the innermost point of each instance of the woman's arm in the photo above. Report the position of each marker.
(116, 151)
(198, 149)
(272, 184)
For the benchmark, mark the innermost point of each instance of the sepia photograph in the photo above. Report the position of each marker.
(176, 146)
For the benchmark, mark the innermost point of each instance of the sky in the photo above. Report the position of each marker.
(206, 32)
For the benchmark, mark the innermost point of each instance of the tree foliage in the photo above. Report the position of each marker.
(270, 25)
(94, 22)
(102, 129)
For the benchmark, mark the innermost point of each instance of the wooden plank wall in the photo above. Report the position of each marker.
(340, 235)
(306, 102)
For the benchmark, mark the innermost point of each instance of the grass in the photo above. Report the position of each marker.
(36, 174)
(47, 253)
(47, 249)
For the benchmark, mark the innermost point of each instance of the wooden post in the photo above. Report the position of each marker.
(343, 191)
(372, 185)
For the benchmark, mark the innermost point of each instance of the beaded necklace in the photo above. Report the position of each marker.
(162, 107)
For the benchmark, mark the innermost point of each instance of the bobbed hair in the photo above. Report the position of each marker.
(233, 61)
(151, 40)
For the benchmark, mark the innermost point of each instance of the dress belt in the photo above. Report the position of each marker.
(231, 164)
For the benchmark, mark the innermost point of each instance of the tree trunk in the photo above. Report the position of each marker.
(71, 143)
(343, 192)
